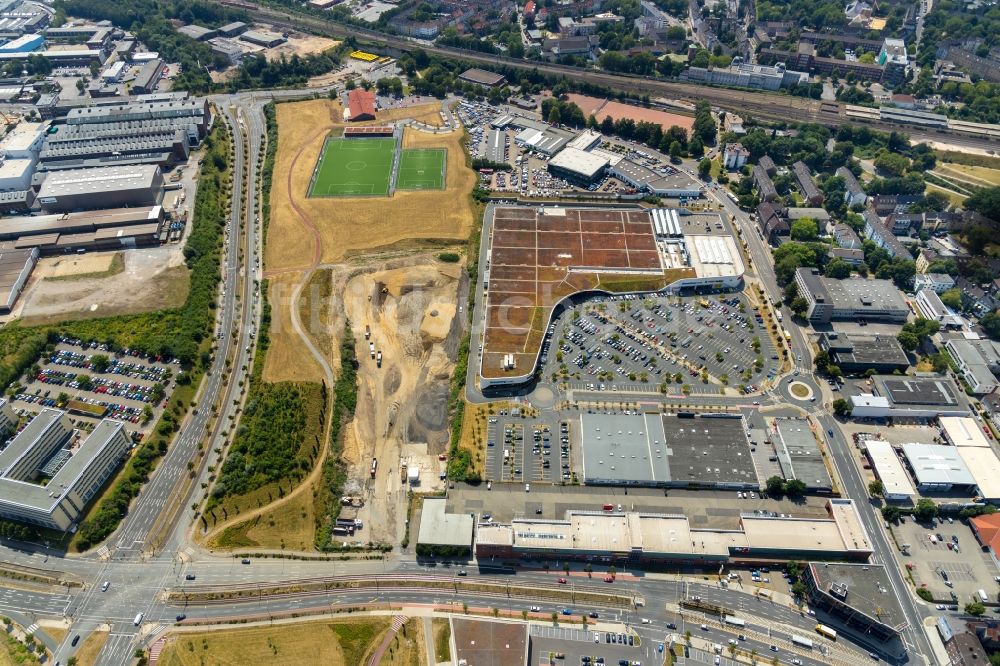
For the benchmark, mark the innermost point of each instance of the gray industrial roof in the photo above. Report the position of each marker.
(932, 391)
(869, 349)
(868, 590)
(579, 161)
(937, 465)
(854, 293)
(101, 179)
(650, 449)
(439, 528)
(800, 456)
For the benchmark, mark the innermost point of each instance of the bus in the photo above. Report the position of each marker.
(734, 621)
(802, 642)
(826, 632)
(788, 336)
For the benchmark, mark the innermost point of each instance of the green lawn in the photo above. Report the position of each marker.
(354, 167)
(421, 169)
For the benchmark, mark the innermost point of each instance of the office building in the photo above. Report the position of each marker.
(743, 75)
(978, 363)
(852, 298)
(103, 187)
(48, 448)
(859, 598)
(930, 306)
(910, 398)
(858, 353)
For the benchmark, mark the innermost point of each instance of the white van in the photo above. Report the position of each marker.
(138, 619)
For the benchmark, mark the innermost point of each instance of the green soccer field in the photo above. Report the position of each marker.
(421, 169)
(354, 167)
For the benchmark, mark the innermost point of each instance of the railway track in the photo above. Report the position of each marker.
(758, 104)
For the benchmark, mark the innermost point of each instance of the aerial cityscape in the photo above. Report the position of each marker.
(540, 332)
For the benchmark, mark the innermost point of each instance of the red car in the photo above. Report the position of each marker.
(609, 579)
(562, 581)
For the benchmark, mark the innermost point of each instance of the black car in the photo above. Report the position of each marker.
(189, 577)
(631, 639)
(671, 625)
(76, 639)
(593, 614)
(607, 638)
(180, 617)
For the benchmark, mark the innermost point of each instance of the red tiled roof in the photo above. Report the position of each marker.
(361, 102)
(988, 530)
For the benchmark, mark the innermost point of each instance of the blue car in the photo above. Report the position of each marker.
(567, 611)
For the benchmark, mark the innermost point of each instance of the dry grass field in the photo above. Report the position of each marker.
(973, 175)
(290, 525)
(333, 643)
(288, 359)
(347, 225)
(407, 647)
(91, 647)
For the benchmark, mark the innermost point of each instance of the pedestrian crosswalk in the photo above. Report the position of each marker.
(104, 553)
(32, 628)
(156, 649)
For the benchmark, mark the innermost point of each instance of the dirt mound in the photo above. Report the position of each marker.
(390, 384)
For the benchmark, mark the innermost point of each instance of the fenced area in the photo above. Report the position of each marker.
(354, 167)
(421, 169)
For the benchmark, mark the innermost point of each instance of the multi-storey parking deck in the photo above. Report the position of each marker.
(539, 256)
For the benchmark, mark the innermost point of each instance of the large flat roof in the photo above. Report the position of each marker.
(439, 528)
(714, 256)
(579, 161)
(868, 590)
(984, 466)
(871, 350)
(858, 293)
(664, 536)
(801, 453)
(17, 227)
(45, 497)
(660, 450)
(933, 391)
(889, 469)
(102, 179)
(937, 465)
(963, 431)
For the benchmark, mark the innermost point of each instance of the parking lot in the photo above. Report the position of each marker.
(576, 647)
(933, 561)
(660, 344)
(91, 383)
(523, 450)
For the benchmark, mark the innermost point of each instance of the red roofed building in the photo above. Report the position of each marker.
(987, 531)
(529, 9)
(360, 105)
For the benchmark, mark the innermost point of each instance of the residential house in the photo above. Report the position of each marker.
(852, 256)
(937, 282)
(803, 175)
(978, 363)
(854, 194)
(992, 404)
(762, 181)
(882, 237)
(845, 236)
(925, 258)
(773, 220)
(734, 156)
(767, 164)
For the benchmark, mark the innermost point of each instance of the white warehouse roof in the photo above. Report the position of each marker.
(889, 469)
(579, 161)
(934, 464)
(963, 431)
